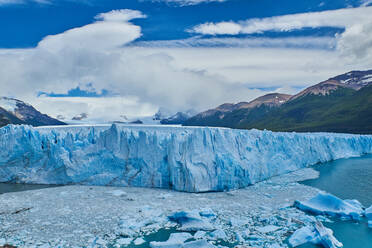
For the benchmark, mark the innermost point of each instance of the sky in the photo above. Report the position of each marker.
(115, 58)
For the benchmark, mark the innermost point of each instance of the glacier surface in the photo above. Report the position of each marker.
(192, 159)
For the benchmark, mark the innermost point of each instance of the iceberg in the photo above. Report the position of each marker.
(368, 214)
(176, 240)
(327, 204)
(191, 221)
(317, 234)
(191, 159)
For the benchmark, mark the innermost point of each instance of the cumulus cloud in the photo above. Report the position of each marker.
(112, 30)
(356, 42)
(97, 53)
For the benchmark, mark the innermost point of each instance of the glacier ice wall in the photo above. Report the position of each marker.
(193, 159)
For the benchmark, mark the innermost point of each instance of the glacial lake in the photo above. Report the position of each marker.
(348, 179)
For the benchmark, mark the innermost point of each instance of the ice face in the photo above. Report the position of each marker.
(192, 159)
(328, 204)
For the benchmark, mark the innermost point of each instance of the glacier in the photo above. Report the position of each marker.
(191, 159)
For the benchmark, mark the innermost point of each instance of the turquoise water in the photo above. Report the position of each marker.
(163, 235)
(347, 179)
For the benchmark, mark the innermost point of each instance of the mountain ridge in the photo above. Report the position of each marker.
(339, 104)
(14, 111)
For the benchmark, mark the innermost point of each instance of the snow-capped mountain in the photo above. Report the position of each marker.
(178, 118)
(352, 80)
(13, 111)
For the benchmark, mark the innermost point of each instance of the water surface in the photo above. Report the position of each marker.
(348, 179)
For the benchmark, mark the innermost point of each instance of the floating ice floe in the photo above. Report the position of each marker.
(327, 204)
(176, 240)
(139, 241)
(198, 244)
(192, 159)
(316, 234)
(218, 235)
(191, 221)
(368, 214)
(268, 229)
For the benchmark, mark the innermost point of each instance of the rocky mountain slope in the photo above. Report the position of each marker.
(13, 111)
(217, 116)
(339, 104)
(178, 118)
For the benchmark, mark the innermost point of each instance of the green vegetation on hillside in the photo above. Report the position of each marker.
(344, 110)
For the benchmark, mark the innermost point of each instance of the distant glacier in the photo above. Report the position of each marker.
(192, 159)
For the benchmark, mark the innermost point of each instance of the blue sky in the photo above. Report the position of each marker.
(135, 56)
(25, 24)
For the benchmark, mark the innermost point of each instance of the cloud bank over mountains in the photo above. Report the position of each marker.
(97, 54)
(181, 74)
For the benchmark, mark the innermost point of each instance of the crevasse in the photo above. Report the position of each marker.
(192, 159)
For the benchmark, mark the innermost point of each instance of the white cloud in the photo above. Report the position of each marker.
(123, 15)
(97, 53)
(288, 42)
(112, 30)
(95, 108)
(354, 43)
(231, 28)
(341, 18)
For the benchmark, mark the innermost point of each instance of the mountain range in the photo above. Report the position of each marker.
(13, 111)
(339, 104)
